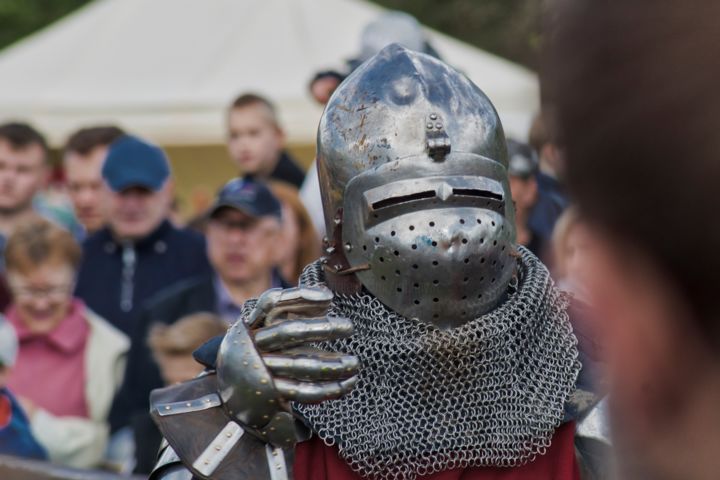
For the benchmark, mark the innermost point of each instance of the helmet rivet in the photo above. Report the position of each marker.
(348, 247)
(433, 116)
(438, 126)
(429, 126)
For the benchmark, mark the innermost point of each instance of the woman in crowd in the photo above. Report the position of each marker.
(570, 242)
(70, 361)
(299, 238)
(572, 250)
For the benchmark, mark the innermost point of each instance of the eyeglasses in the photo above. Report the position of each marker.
(249, 227)
(244, 225)
(51, 293)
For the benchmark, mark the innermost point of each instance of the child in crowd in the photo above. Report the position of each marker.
(16, 437)
(172, 347)
(256, 142)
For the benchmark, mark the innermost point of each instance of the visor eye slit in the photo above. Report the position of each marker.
(476, 192)
(392, 201)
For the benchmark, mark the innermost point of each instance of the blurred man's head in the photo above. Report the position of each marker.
(138, 190)
(23, 166)
(83, 159)
(542, 140)
(638, 106)
(173, 345)
(243, 232)
(255, 139)
(522, 168)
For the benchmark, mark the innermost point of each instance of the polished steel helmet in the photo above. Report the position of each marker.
(413, 173)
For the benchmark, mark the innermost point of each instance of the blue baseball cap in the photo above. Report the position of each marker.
(248, 195)
(132, 162)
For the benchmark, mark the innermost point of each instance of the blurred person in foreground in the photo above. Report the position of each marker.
(70, 361)
(172, 346)
(243, 244)
(635, 85)
(83, 158)
(522, 171)
(139, 252)
(256, 142)
(16, 437)
(299, 242)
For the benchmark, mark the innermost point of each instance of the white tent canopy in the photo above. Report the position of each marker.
(166, 69)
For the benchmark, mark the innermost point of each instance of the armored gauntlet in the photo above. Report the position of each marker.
(237, 422)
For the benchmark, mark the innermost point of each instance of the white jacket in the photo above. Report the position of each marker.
(76, 441)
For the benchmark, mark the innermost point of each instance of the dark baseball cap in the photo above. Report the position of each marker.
(248, 195)
(132, 162)
(522, 160)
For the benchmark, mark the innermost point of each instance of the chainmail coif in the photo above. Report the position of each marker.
(490, 393)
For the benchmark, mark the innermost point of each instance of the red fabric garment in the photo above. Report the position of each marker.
(50, 368)
(5, 411)
(316, 461)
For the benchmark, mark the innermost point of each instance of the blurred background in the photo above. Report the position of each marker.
(225, 88)
(167, 69)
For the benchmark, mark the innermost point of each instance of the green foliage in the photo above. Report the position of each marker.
(19, 18)
(509, 28)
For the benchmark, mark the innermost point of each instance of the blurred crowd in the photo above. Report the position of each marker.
(105, 301)
(107, 304)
